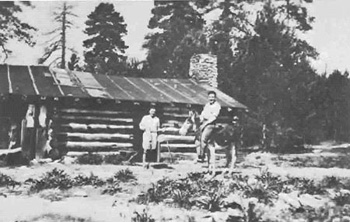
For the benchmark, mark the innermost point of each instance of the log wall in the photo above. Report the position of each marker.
(114, 127)
(93, 129)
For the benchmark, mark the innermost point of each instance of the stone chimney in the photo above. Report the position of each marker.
(203, 69)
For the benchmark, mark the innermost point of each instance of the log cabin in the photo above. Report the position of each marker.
(86, 112)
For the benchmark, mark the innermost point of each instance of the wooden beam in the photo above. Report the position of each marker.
(82, 126)
(183, 148)
(87, 111)
(100, 149)
(97, 118)
(106, 145)
(97, 136)
(164, 138)
(33, 81)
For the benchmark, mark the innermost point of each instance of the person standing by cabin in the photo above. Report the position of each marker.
(150, 124)
(208, 118)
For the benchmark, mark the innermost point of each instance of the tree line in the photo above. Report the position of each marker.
(262, 62)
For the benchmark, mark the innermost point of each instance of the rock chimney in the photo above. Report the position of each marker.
(203, 69)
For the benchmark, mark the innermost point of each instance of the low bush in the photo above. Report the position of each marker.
(142, 217)
(125, 175)
(306, 186)
(92, 180)
(113, 187)
(341, 199)
(332, 182)
(115, 159)
(90, 158)
(50, 180)
(7, 181)
(187, 192)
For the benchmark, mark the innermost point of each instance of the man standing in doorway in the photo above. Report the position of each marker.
(208, 119)
(150, 124)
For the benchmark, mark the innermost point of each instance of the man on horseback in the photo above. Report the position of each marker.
(208, 118)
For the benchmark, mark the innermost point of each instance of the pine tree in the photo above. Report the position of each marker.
(63, 16)
(105, 47)
(170, 48)
(265, 66)
(11, 27)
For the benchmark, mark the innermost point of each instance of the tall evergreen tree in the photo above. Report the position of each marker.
(11, 27)
(266, 66)
(337, 106)
(177, 27)
(105, 47)
(63, 16)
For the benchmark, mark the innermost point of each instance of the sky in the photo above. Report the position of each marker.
(330, 34)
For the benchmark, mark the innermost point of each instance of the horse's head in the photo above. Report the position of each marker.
(191, 123)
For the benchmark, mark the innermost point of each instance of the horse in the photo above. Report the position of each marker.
(225, 136)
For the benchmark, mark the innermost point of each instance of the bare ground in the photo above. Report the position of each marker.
(87, 204)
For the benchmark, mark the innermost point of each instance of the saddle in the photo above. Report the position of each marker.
(221, 135)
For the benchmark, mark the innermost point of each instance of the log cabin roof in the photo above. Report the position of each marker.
(43, 81)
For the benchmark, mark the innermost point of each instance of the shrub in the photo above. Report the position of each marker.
(265, 187)
(341, 199)
(92, 180)
(185, 192)
(125, 175)
(56, 217)
(7, 181)
(142, 217)
(50, 180)
(306, 186)
(115, 159)
(91, 159)
(213, 201)
(182, 198)
(113, 186)
(271, 182)
(332, 182)
(287, 140)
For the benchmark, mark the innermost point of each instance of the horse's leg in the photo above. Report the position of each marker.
(208, 156)
(144, 158)
(211, 159)
(198, 147)
(233, 157)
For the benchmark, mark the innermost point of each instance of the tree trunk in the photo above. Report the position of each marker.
(63, 59)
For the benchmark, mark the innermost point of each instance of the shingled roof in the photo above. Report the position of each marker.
(43, 81)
